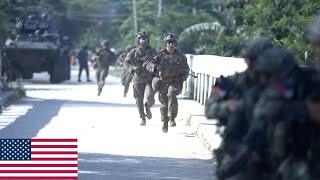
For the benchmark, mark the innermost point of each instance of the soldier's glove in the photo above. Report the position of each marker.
(138, 69)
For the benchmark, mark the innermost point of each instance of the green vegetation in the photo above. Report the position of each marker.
(215, 26)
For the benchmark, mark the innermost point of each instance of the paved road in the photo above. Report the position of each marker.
(112, 145)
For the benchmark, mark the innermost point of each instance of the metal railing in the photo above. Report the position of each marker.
(207, 68)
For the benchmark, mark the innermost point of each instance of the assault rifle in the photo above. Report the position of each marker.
(166, 64)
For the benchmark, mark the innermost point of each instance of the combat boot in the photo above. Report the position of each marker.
(148, 111)
(165, 121)
(143, 122)
(172, 122)
(99, 92)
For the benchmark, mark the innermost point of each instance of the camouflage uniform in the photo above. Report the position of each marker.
(104, 56)
(279, 131)
(312, 36)
(233, 87)
(126, 76)
(173, 71)
(136, 62)
(242, 91)
(252, 127)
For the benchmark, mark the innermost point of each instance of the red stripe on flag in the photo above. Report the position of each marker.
(54, 140)
(54, 159)
(38, 165)
(38, 171)
(54, 152)
(54, 146)
(38, 177)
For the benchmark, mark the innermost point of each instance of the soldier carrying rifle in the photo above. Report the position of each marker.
(171, 69)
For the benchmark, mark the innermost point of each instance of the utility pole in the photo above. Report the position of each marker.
(159, 7)
(159, 15)
(135, 17)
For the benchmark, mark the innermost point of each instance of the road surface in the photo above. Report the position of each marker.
(111, 144)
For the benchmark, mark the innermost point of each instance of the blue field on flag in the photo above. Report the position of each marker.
(38, 159)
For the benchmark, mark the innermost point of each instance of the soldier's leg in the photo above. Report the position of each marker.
(150, 93)
(98, 72)
(172, 104)
(123, 77)
(138, 93)
(103, 75)
(86, 68)
(80, 72)
(127, 81)
(163, 99)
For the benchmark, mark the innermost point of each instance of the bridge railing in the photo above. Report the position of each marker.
(208, 68)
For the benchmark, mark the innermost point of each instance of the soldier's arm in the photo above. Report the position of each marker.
(218, 102)
(126, 64)
(120, 59)
(252, 142)
(184, 63)
(217, 108)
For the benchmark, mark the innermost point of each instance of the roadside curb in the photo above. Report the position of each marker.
(206, 130)
(9, 96)
(192, 114)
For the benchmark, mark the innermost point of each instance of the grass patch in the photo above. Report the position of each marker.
(16, 92)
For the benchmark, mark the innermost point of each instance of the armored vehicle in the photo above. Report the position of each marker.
(37, 46)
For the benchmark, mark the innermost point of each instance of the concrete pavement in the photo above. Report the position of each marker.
(191, 113)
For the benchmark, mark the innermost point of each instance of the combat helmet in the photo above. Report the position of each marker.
(170, 37)
(143, 34)
(276, 61)
(105, 43)
(312, 32)
(255, 46)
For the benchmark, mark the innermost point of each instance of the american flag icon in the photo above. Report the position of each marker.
(37, 158)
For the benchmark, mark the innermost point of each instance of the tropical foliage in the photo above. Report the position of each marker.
(207, 26)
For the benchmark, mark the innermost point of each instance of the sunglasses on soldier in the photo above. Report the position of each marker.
(144, 38)
(172, 41)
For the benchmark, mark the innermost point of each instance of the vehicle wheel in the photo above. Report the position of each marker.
(27, 75)
(57, 74)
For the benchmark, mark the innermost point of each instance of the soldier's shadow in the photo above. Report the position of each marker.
(28, 116)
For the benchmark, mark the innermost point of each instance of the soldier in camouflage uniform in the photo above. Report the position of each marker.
(172, 69)
(263, 146)
(312, 36)
(102, 59)
(228, 90)
(126, 76)
(135, 63)
(227, 93)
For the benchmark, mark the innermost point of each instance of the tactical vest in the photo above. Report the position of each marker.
(171, 63)
(105, 58)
